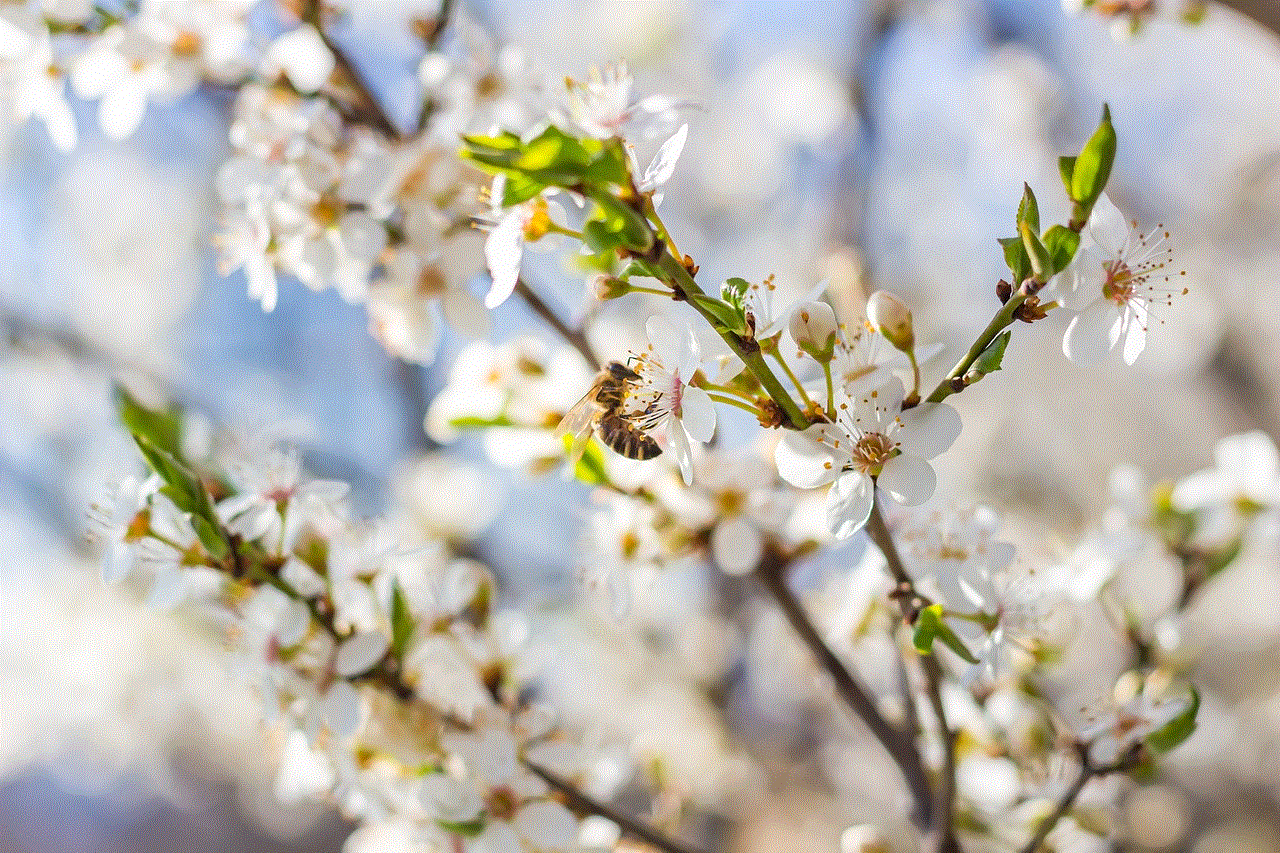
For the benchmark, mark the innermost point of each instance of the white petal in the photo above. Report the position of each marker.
(804, 461)
(120, 111)
(1080, 283)
(928, 429)
(849, 504)
(1108, 227)
(340, 710)
(680, 449)
(908, 479)
(1135, 341)
(667, 339)
(359, 653)
(698, 414)
(498, 837)
(502, 253)
(1092, 333)
(664, 162)
(547, 826)
(736, 545)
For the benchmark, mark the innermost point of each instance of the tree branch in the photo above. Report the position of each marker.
(574, 337)
(371, 110)
(942, 832)
(899, 744)
(1067, 800)
(579, 801)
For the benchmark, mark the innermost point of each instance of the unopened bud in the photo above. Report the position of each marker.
(863, 838)
(891, 317)
(610, 287)
(813, 326)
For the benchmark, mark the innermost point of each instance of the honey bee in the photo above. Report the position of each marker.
(601, 409)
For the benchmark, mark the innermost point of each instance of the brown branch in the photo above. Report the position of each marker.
(942, 832)
(1087, 771)
(581, 802)
(574, 337)
(371, 111)
(898, 743)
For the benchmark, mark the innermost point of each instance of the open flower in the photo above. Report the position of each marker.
(872, 441)
(666, 403)
(1114, 278)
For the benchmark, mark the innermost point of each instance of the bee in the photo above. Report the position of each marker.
(601, 410)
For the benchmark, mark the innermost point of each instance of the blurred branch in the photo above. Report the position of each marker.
(574, 337)
(1087, 771)
(942, 834)
(370, 109)
(900, 744)
(1264, 12)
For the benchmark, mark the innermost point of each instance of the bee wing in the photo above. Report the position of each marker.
(578, 422)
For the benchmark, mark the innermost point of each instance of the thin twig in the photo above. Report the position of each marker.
(899, 744)
(579, 801)
(942, 831)
(1067, 800)
(374, 114)
(574, 337)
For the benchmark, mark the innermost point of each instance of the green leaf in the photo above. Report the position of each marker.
(630, 227)
(1062, 243)
(402, 622)
(726, 315)
(1028, 210)
(1015, 255)
(187, 493)
(504, 141)
(1093, 166)
(1037, 254)
(641, 267)
(518, 188)
(467, 828)
(163, 428)
(993, 355)
(930, 627)
(1066, 168)
(1177, 730)
(734, 290)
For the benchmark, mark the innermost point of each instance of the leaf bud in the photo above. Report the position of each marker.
(610, 287)
(891, 317)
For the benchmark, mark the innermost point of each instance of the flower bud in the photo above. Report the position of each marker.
(813, 325)
(891, 317)
(610, 287)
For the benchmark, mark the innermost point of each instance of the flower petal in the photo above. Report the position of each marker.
(698, 414)
(503, 251)
(1093, 333)
(804, 461)
(680, 449)
(849, 503)
(909, 480)
(1108, 227)
(928, 429)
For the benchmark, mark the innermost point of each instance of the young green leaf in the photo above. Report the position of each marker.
(402, 623)
(1028, 210)
(162, 427)
(1177, 730)
(1062, 243)
(1015, 255)
(993, 355)
(930, 627)
(1037, 254)
(1093, 166)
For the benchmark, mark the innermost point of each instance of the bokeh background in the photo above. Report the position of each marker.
(878, 145)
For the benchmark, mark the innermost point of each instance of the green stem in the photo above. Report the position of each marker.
(831, 397)
(1002, 319)
(777, 356)
(751, 357)
(733, 401)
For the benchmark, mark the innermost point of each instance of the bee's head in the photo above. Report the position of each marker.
(621, 372)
